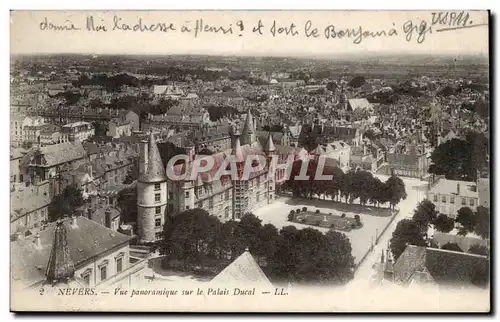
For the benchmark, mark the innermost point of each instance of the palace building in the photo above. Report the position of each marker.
(228, 198)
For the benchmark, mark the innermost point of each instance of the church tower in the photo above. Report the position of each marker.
(248, 135)
(151, 193)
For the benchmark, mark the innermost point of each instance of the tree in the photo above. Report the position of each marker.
(483, 220)
(479, 250)
(132, 174)
(291, 215)
(407, 232)
(331, 86)
(308, 256)
(395, 190)
(191, 237)
(459, 159)
(444, 223)
(127, 202)
(66, 202)
(357, 81)
(452, 246)
(466, 218)
(424, 214)
(268, 236)
(247, 233)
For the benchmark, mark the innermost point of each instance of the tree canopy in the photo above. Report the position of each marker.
(466, 218)
(444, 223)
(483, 222)
(407, 232)
(66, 202)
(353, 185)
(196, 238)
(425, 214)
(452, 246)
(479, 250)
(459, 159)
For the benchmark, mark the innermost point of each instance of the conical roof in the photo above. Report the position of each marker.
(60, 267)
(237, 151)
(249, 126)
(270, 147)
(155, 172)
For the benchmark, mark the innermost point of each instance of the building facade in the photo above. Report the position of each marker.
(451, 195)
(227, 198)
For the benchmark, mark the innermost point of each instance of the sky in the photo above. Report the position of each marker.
(32, 32)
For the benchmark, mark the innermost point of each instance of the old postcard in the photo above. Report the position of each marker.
(250, 161)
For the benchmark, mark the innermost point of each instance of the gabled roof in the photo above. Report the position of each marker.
(85, 240)
(444, 267)
(56, 154)
(243, 270)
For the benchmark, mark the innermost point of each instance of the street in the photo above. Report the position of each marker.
(415, 190)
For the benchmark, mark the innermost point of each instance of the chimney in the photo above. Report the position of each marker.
(107, 214)
(143, 156)
(73, 222)
(38, 243)
(458, 188)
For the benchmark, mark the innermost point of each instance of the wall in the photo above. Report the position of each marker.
(93, 267)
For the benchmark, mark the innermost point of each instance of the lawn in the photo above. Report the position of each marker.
(326, 220)
(374, 219)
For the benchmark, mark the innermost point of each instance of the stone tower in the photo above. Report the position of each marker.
(270, 150)
(240, 185)
(248, 135)
(151, 193)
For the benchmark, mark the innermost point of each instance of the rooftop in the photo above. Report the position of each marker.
(85, 240)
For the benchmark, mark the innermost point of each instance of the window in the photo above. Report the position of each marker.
(187, 207)
(226, 212)
(159, 235)
(471, 202)
(435, 198)
(157, 187)
(443, 199)
(464, 202)
(103, 272)
(119, 264)
(157, 210)
(170, 195)
(452, 199)
(257, 197)
(157, 197)
(157, 222)
(86, 278)
(187, 194)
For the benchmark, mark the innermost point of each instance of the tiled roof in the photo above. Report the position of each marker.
(86, 240)
(56, 154)
(243, 269)
(444, 266)
(29, 199)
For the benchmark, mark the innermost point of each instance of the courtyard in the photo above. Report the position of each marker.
(374, 219)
